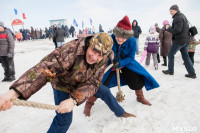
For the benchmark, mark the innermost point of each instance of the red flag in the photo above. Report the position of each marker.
(24, 17)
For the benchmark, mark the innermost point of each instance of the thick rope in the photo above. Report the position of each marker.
(120, 96)
(41, 105)
(35, 105)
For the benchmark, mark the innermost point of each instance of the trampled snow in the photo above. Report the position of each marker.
(175, 104)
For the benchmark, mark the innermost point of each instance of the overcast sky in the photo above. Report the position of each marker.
(104, 12)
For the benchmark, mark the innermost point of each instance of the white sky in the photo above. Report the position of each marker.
(104, 12)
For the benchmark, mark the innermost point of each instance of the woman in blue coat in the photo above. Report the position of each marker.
(131, 72)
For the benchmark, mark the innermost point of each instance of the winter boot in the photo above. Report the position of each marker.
(89, 104)
(8, 79)
(128, 115)
(165, 61)
(5, 79)
(140, 97)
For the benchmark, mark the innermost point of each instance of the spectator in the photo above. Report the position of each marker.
(137, 31)
(181, 40)
(60, 35)
(7, 46)
(165, 42)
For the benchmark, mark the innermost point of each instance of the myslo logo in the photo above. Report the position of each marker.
(184, 129)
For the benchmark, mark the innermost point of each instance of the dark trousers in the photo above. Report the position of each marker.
(8, 66)
(132, 79)
(165, 60)
(191, 55)
(184, 52)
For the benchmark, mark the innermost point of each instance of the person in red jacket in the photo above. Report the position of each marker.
(7, 46)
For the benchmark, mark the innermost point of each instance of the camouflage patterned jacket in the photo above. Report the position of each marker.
(67, 70)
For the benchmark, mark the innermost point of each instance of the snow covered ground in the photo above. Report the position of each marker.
(175, 105)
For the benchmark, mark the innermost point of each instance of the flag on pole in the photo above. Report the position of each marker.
(23, 14)
(82, 24)
(75, 23)
(90, 21)
(15, 10)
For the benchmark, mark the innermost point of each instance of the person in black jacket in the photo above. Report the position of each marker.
(137, 31)
(71, 30)
(60, 35)
(181, 40)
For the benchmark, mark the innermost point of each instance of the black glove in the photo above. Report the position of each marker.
(116, 64)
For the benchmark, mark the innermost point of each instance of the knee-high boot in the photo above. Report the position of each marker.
(88, 105)
(140, 97)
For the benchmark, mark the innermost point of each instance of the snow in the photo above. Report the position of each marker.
(175, 104)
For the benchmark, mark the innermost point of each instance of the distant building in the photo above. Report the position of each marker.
(58, 22)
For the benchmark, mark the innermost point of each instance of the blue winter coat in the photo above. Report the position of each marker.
(127, 59)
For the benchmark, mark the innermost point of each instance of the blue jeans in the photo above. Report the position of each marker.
(184, 52)
(137, 45)
(61, 122)
(105, 94)
(60, 44)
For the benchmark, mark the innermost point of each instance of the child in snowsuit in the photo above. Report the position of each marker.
(192, 48)
(151, 45)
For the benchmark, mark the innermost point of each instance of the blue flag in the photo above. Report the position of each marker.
(90, 21)
(82, 24)
(15, 10)
(75, 23)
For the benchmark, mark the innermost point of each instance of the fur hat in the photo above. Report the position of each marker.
(174, 7)
(101, 43)
(123, 28)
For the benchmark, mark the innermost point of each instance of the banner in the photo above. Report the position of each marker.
(15, 10)
(75, 23)
(24, 17)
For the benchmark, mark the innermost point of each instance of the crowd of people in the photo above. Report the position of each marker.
(76, 69)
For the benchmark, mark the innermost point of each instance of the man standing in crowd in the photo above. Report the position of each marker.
(71, 30)
(59, 35)
(181, 40)
(7, 45)
(136, 33)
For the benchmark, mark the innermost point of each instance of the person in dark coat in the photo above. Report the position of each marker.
(32, 34)
(181, 40)
(59, 35)
(136, 33)
(100, 28)
(67, 31)
(165, 42)
(157, 28)
(131, 72)
(71, 30)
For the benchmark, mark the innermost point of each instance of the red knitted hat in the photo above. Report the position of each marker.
(123, 28)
